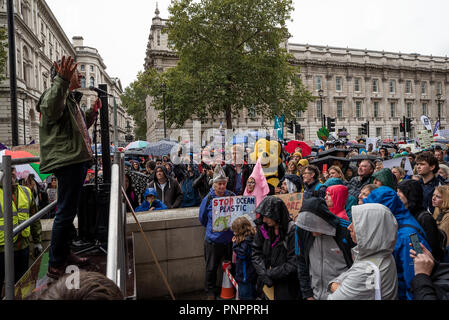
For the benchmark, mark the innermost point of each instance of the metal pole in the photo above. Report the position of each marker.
(12, 73)
(115, 124)
(165, 128)
(24, 122)
(8, 225)
(104, 129)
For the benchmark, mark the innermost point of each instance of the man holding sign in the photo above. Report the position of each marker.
(217, 245)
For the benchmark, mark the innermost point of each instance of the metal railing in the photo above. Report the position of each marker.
(10, 233)
(116, 269)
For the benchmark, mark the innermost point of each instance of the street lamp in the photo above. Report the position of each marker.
(164, 89)
(439, 107)
(320, 93)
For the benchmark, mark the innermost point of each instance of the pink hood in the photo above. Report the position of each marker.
(339, 196)
(261, 190)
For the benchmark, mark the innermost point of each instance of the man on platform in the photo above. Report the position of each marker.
(65, 151)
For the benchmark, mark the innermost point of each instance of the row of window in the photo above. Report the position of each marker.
(375, 85)
(376, 113)
(83, 68)
(83, 82)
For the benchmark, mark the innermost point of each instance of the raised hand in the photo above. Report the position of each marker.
(66, 68)
(97, 105)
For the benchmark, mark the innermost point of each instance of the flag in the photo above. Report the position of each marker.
(437, 125)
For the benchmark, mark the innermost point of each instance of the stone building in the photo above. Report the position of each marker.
(40, 40)
(357, 86)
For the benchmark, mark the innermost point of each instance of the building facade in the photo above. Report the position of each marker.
(40, 40)
(357, 86)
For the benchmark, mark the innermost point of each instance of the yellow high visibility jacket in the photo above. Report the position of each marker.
(20, 213)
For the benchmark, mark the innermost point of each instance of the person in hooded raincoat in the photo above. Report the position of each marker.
(336, 197)
(407, 225)
(168, 189)
(273, 254)
(411, 194)
(150, 202)
(374, 230)
(322, 248)
(261, 188)
(385, 177)
(350, 202)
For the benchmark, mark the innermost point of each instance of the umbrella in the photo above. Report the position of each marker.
(137, 145)
(160, 148)
(364, 157)
(293, 144)
(329, 160)
(332, 152)
(139, 180)
(112, 149)
(25, 169)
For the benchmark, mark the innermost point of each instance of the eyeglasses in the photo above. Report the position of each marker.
(251, 182)
(305, 172)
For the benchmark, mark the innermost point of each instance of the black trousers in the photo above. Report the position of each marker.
(214, 254)
(21, 260)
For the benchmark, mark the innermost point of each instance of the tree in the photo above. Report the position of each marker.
(134, 101)
(231, 58)
(3, 52)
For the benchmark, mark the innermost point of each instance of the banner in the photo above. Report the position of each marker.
(293, 201)
(402, 162)
(437, 126)
(426, 122)
(226, 209)
(425, 139)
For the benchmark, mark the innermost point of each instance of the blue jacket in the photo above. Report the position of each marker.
(244, 269)
(404, 264)
(191, 195)
(205, 217)
(157, 204)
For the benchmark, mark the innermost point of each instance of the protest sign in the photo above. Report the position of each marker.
(226, 209)
(425, 139)
(402, 162)
(293, 201)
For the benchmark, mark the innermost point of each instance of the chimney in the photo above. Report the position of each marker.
(77, 41)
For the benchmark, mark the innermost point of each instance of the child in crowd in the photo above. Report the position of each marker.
(245, 274)
(151, 203)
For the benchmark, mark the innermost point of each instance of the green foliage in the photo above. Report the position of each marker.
(323, 133)
(231, 58)
(3, 52)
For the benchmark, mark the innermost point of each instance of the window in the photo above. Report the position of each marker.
(408, 86)
(357, 85)
(338, 83)
(378, 132)
(339, 109)
(299, 114)
(252, 112)
(392, 109)
(392, 86)
(319, 110)
(83, 67)
(92, 82)
(83, 82)
(439, 88)
(424, 109)
(409, 109)
(375, 85)
(423, 87)
(91, 68)
(376, 109)
(318, 83)
(358, 109)
(395, 132)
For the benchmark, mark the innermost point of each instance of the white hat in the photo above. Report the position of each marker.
(219, 174)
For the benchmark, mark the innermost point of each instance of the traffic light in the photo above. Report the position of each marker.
(365, 128)
(290, 127)
(297, 128)
(408, 124)
(331, 124)
(402, 127)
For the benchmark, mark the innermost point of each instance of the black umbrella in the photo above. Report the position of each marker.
(364, 157)
(161, 148)
(329, 160)
(332, 152)
(139, 180)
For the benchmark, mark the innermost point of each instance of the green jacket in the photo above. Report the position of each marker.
(64, 139)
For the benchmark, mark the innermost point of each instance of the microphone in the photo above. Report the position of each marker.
(99, 91)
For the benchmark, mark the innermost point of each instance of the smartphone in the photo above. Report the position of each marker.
(415, 243)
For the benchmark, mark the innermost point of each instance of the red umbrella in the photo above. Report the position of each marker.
(293, 144)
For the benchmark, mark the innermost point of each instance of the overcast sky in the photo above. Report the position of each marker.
(120, 29)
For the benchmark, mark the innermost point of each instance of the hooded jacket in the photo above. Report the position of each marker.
(205, 217)
(413, 191)
(191, 196)
(375, 228)
(261, 190)
(386, 177)
(273, 256)
(63, 135)
(293, 182)
(156, 204)
(322, 258)
(339, 195)
(407, 225)
(172, 195)
(352, 201)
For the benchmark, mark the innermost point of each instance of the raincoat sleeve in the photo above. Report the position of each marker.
(52, 102)
(203, 214)
(355, 284)
(90, 117)
(402, 257)
(423, 288)
(289, 267)
(257, 254)
(145, 206)
(303, 270)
